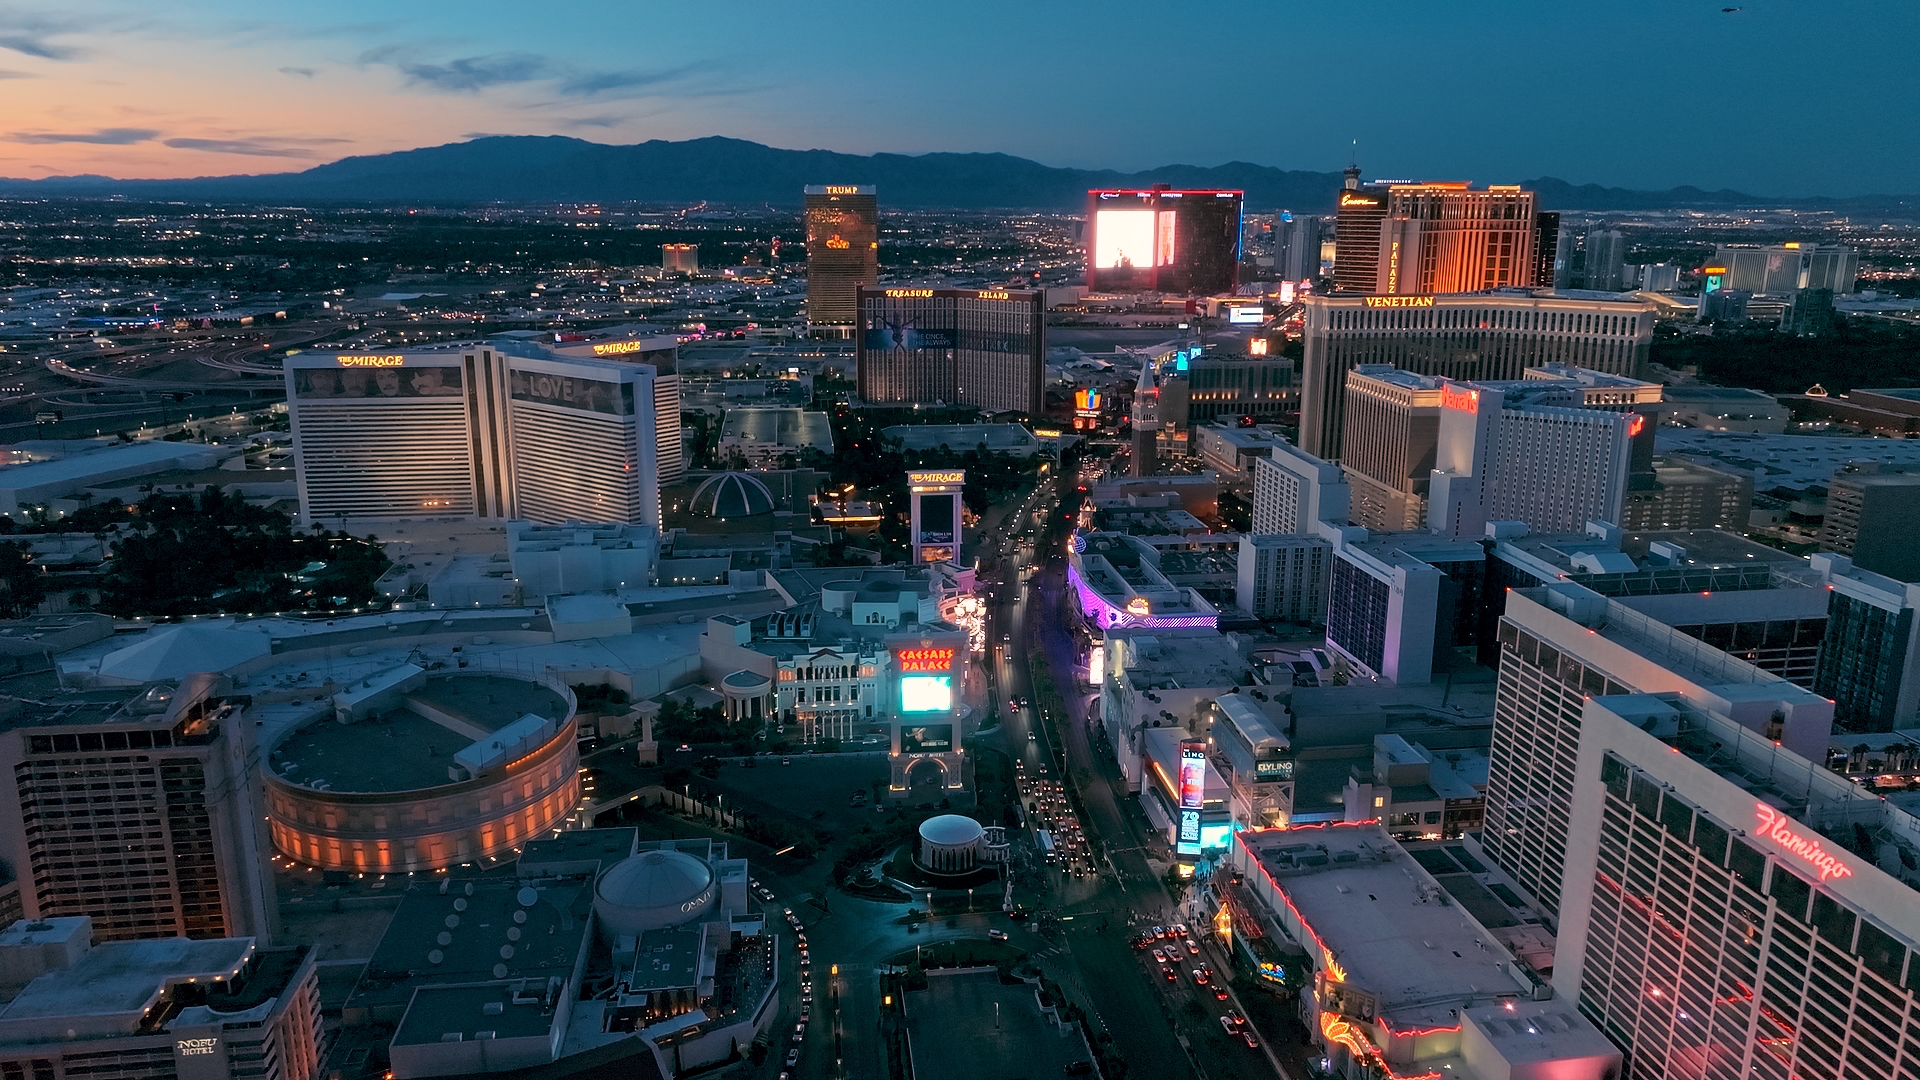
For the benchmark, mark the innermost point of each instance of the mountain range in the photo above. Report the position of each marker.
(554, 168)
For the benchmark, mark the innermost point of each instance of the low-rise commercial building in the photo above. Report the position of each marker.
(164, 1009)
(1232, 450)
(767, 438)
(1163, 678)
(1117, 583)
(1687, 494)
(1251, 746)
(1401, 980)
(1725, 408)
(411, 772)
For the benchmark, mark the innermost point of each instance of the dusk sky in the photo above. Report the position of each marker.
(1781, 97)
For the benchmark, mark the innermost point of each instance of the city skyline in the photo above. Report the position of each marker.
(214, 89)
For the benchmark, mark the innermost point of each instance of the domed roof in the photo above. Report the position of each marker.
(951, 830)
(746, 680)
(731, 495)
(651, 890)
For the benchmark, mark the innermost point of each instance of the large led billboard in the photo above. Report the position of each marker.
(1163, 240)
(926, 693)
(927, 739)
(1123, 238)
(1193, 790)
(926, 678)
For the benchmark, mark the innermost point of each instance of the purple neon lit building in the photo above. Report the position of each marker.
(1119, 582)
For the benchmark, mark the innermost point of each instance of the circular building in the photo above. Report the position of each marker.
(731, 495)
(652, 891)
(748, 696)
(950, 844)
(405, 772)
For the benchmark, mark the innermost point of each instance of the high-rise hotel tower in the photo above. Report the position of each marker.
(843, 250)
(500, 429)
(1471, 337)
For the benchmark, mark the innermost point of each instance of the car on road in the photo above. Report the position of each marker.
(1219, 992)
(1231, 1023)
(1199, 977)
(1159, 931)
(1170, 974)
(786, 761)
(996, 935)
(1252, 1043)
(1031, 737)
(1193, 947)
(1160, 955)
(793, 1057)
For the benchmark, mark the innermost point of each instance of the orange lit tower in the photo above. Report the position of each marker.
(843, 249)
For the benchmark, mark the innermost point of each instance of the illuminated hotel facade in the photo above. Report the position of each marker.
(494, 430)
(1469, 337)
(1718, 919)
(1424, 452)
(1403, 239)
(924, 346)
(1562, 644)
(843, 249)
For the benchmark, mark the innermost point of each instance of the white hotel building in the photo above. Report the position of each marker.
(498, 429)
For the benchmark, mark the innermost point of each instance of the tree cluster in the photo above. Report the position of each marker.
(193, 554)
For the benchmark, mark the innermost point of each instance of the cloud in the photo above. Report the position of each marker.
(590, 84)
(471, 74)
(488, 135)
(246, 147)
(305, 73)
(468, 73)
(102, 137)
(32, 35)
(592, 121)
(5, 74)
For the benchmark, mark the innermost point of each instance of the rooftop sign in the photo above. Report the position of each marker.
(1778, 827)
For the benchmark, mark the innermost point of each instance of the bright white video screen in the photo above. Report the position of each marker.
(926, 693)
(1122, 238)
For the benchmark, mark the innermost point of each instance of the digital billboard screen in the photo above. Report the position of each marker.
(902, 334)
(1189, 841)
(1246, 316)
(377, 382)
(1193, 791)
(1193, 776)
(1122, 238)
(590, 395)
(926, 693)
(927, 739)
